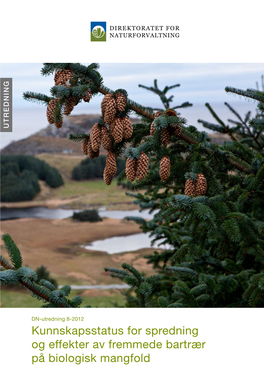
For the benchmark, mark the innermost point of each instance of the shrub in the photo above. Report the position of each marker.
(15, 188)
(87, 215)
(20, 175)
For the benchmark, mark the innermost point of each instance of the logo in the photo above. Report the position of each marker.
(98, 31)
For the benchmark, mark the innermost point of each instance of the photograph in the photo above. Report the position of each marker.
(133, 185)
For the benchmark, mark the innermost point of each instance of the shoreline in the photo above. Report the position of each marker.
(64, 204)
(57, 245)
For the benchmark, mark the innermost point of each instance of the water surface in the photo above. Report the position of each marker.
(46, 213)
(122, 244)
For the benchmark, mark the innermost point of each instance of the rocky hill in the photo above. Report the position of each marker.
(53, 140)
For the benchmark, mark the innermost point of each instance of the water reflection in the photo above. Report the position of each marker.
(46, 213)
(122, 244)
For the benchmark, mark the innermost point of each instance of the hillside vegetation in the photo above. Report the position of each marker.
(20, 175)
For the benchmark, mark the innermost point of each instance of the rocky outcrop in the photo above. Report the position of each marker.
(53, 140)
(71, 124)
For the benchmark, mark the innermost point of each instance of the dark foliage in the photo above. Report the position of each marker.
(20, 175)
(87, 215)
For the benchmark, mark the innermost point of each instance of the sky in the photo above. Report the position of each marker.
(199, 83)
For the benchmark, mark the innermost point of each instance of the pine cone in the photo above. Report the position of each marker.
(85, 146)
(152, 127)
(128, 128)
(171, 113)
(68, 74)
(157, 114)
(106, 138)
(62, 76)
(131, 169)
(50, 111)
(57, 76)
(96, 137)
(112, 128)
(104, 102)
(90, 151)
(120, 101)
(69, 105)
(190, 188)
(165, 136)
(142, 166)
(118, 130)
(107, 176)
(111, 163)
(87, 96)
(201, 185)
(177, 131)
(164, 169)
(110, 111)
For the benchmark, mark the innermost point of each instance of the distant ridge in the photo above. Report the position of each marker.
(53, 140)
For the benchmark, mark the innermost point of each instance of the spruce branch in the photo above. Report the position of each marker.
(77, 137)
(13, 251)
(244, 123)
(42, 289)
(36, 97)
(257, 95)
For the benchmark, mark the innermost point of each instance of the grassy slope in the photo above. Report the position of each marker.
(22, 299)
(94, 192)
(64, 163)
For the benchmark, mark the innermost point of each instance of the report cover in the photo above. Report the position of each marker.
(132, 177)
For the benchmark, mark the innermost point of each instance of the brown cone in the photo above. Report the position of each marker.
(96, 137)
(190, 188)
(85, 146)
(87, 96)
(201, 185)
(128, 128)
(69, 105)
(164, 169)
(62, 76)
(50, 111)
(118, 130)
(171, 113)
(106, 138)
(106, 98)
(177, 131)
(90, 151)
(112, 128)
(131, 169)
(152, 129)
(165, 136)
(107, 176)
(157, 114)
(57, 76)
(111, 163)
(120, 101)
(142, 166)
(110, 111)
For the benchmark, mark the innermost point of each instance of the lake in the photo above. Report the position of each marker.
(46, 213)
(122, 244)
(112, 245)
